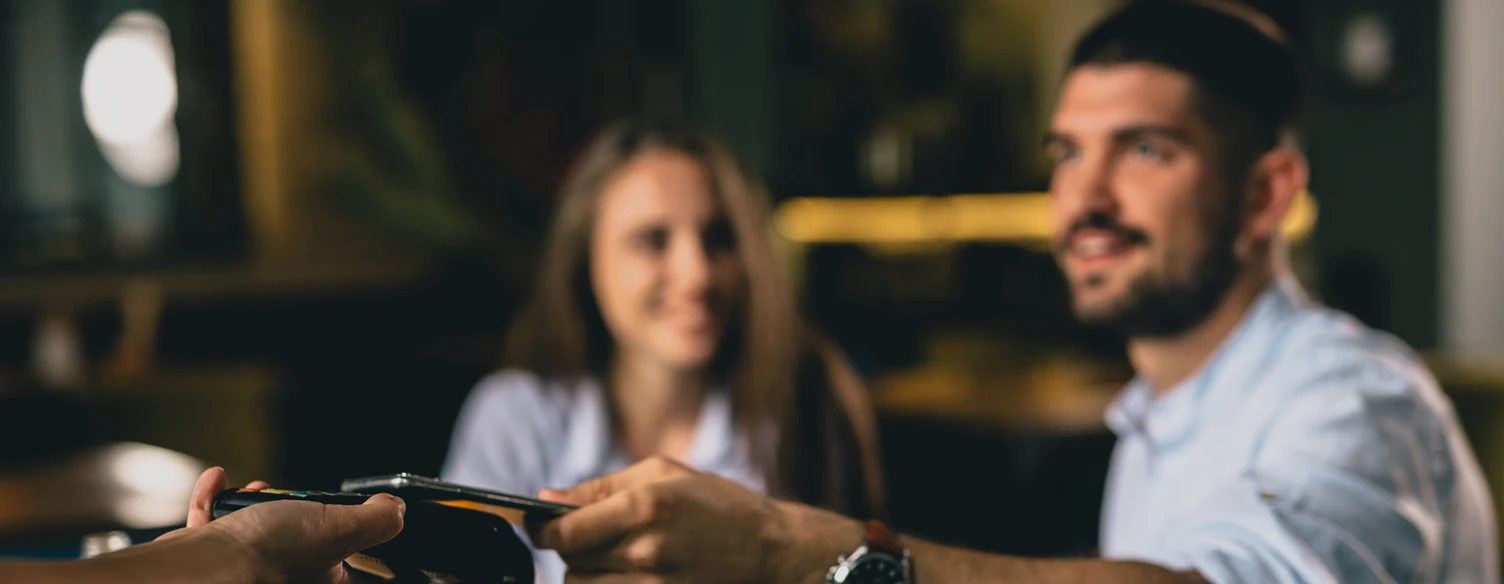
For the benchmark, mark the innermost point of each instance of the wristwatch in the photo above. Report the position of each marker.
(880, 560)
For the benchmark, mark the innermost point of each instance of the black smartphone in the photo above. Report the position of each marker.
(438, 543)
(515, 508)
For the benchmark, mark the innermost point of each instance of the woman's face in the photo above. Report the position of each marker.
(663, 261)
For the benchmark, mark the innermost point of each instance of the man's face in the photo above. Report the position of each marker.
(1143, 228)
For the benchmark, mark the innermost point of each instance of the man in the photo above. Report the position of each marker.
(1264, 439)
(276, 542)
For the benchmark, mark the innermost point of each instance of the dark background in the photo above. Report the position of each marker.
(364, 187)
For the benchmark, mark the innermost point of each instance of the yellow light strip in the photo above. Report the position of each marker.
(1005, 218)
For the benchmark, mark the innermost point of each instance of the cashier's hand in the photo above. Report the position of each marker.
(200, 506)
(661, 522)
(287, 541)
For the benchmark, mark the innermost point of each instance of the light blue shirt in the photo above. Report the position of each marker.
(518, 434)
(1308, 449)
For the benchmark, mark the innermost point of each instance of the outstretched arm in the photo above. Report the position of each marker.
(281, 541)
(660, 519)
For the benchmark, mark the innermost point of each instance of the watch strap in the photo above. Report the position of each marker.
(882, 539)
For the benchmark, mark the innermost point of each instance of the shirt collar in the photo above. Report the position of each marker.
(1169, 418)
(591, 448)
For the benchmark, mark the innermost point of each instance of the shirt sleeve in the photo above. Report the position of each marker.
(503, 435)
(1352, 483)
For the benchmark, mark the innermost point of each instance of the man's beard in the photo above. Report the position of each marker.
(1159, 309)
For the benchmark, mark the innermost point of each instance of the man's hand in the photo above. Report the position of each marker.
(271, 543)
(661, 522)
(200, 505)
(285, 541)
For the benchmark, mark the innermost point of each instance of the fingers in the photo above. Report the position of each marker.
(346, 529)
(594, 527)
(557, 496)
(646, 472)
(585, 493)
(612, 507)
(201, 503)
(637, 554)
(209, 484)
(591, 527)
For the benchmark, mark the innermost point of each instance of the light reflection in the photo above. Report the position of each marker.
(130, 97)
(155, 483)
(1023, 218)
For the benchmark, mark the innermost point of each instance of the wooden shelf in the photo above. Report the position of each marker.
(212, 284)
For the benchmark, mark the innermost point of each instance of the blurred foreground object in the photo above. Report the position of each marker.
(105, 542)
(126, 485)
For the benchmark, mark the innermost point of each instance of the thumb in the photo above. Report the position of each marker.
(347, 529)
(649, 471)
(199, 506)
(582, 494)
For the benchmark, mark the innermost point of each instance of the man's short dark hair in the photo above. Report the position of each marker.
(1247, 81)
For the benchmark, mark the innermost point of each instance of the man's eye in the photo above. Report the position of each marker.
(1150, 151)
(1062, 155)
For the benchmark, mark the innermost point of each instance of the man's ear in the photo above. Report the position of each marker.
(1276, 180)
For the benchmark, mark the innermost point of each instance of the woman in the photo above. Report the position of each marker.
(661, 325)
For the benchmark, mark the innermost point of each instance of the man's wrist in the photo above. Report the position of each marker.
(251, 564)
(204, 556)
(804, 542)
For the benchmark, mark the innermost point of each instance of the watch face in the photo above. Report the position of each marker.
(877, 570)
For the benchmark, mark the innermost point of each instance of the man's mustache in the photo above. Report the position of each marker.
(1103, 222)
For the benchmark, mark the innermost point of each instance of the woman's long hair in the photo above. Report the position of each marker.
(779, 376)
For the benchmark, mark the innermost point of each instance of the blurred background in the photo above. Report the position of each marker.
(287, 237)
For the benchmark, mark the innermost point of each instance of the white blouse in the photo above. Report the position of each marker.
(519, 434)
